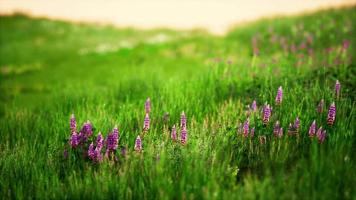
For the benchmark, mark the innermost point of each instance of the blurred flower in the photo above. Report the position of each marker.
(73, 123)
(183, 138)
(174, 133)
(337, 88)
(252, 132)
(183, 120)
(262, 139)
(279, 96)
(74, 140)
(254, 106)
(292, 130)
(148, 105)
(266, 114)
(312, 129)
(166, 117)
(346, 44)
(246, 128)
(331, 114)
(320, 107)
(123, 151)
(146, 122)
(138, 144)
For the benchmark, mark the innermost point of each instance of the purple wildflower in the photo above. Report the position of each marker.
(254, 106)
(246, 128)
(91, 151)
(183, 137)
(146, 122)
(73, 123)
(86, 131)
(320, 107)
(279, 96)
(100, 141)
(266, 114)
(74, 140)
(148, 105)
(321, 134)
(174, 133)
(331, 114)
(183, 120)
(98, 155)
(138, 144)
(112, 141)
(337, 88)
(312, 129)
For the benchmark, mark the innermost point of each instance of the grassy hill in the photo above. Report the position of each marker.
(51, 69)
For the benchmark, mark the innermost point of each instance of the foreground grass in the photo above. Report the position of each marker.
(50, 69)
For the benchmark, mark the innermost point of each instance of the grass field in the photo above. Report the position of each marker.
(51, 69)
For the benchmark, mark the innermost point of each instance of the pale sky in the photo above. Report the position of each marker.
(214, 15)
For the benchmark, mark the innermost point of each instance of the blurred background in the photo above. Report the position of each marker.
(215, 15)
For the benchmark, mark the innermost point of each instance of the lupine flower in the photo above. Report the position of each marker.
(296, 124)
(98, 155)
(246, 127)
(266, 114)
(280, 132)
(183, 138)
(331, 114)
(112, 141)
(183, 120)
(312, 129)
(146, 122)
(262, 139)
(320, 106)
(73, 123)
(174, 133)
(74, 140)
(86, 131)
(91, 151)
(254, 106)
(148, 105)
(252, 132)
(292, 130)
(279, 96)
(138, 144)
(321, 136)
(100, 141)
(319, 131)
(337, 88)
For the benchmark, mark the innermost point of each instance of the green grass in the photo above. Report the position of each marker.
(51, 69)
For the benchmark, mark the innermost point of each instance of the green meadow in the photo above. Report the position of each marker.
(51, 69)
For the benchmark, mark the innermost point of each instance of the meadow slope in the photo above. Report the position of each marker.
(51, 69)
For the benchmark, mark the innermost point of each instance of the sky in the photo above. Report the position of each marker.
(214, 15)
